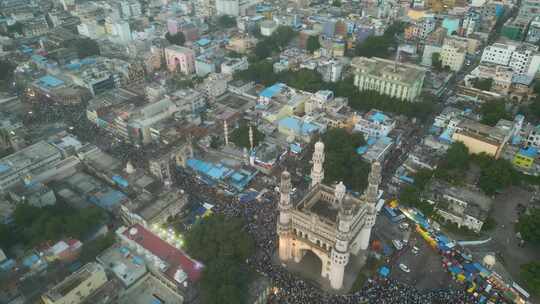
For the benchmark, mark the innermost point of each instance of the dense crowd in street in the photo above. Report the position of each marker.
(261, 219)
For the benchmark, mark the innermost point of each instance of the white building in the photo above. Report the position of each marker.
(375, 124)
(231, 65)
(453, 53)
(498, 53)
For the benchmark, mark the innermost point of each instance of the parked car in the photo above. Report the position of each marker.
(397, 244)
(404, 268)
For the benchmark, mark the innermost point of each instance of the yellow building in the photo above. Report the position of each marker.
(78, 286)
(525, 158)
(480, 138)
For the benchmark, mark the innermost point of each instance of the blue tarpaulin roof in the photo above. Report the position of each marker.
(120, 181)
(203, 41)
(272, 90)
(384, 271)
(379, 117)
(50, 81)
(529, 152)
(30, 260)
(454, 269)
(294, 124)
(4, 168)
(108, 199)
(296, 148)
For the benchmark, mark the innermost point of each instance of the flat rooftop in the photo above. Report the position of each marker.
(127, 265)
(388, 69)
(151, 291)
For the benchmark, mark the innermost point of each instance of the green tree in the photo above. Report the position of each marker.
(282, 36)
(303, 79)
(176, 39)
(263, 49)
(483, 84)
(225, 21)
(436, 61)
(342, 163)
(380, 46)
(453, 167)
(529, 226)
(90, 250)
(530, 273)
(223, 282)
(336, 3)
(215, 142)
(313, 44)
(85, 47)
(6, 73)
(223, 245)
(217, 236)
(240, 136)
(493, 111)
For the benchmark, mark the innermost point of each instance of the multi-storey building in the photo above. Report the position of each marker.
(387, 77)
(375, 124)
(232, 65)
(78, 286)
(453, 53)
(498, 53)
(460, 205)
(16, 167)
(180, 59)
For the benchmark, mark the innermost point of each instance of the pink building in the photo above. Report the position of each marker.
(180, 59)
(172, 26)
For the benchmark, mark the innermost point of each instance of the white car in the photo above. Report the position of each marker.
(404, 226)
(404, 268)
(415, 250)
(397, 244)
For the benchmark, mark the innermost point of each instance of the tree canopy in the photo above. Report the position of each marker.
(6, 73)
(380, 46)
(85, 47)
(54, 222)
(177, 39)
(313, 44)
(225, 21)
(529, 226)
(436, 61)
(222, 244)
(240, 136)
(342, 163)
(530, 273)
(483, 84)
(493, 111)
(279, 39)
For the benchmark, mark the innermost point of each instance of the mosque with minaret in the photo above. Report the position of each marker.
(328, 221)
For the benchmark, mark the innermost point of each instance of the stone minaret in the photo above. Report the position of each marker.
(341, 252)
(226, 131)
(317, 172)
(339, 194)
(371, 195)
(251, 138)
(284, 224)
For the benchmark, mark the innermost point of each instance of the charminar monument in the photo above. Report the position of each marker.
(327, 221)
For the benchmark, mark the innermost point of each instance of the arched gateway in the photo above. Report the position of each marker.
(326, 221)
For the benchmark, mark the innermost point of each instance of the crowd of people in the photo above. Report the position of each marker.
(261, 216)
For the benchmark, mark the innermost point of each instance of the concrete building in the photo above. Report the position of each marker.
(399, 80)
(180, 59)
(268, 27)
(214, 86)
(169, 264)
(498, 53)
(232, 65)
(460, 205)
(375, 124)
(78, 286)
(480, 138)
(330, 223)
(533, 34)
(234, 7)
(18, 166)
(453, 53)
